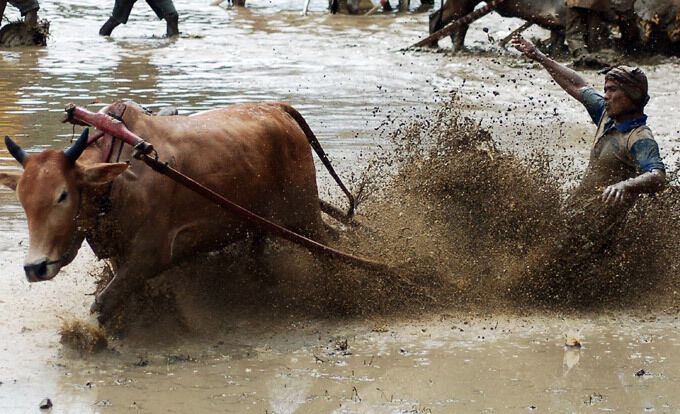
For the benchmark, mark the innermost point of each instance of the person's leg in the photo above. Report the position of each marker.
(577, 30)
(598, 32)
(121, 13)
(165, 9)
(29, 10)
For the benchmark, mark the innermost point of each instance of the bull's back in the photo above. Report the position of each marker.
(253, 154)
(547, 13)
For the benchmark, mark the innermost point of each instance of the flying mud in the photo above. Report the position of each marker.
(463, 225)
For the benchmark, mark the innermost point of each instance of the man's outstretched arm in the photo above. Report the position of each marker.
(568, 79)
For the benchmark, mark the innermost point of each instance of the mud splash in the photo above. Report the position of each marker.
(505, 232)
(463, 225)
(82, 337)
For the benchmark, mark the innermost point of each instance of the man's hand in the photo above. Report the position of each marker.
(616, 194)
(527, 48)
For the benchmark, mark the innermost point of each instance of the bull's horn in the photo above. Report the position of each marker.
(74, 151)
(17, 152)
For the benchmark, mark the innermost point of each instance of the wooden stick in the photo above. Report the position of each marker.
(454, 25)
(519, 30)
(373, 10)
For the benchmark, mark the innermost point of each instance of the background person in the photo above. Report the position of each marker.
(27, 8)
(164, 9)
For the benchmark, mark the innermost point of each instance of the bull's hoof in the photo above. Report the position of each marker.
(103, 309)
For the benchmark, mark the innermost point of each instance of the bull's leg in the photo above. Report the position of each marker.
(404, 5)
(458, 38)
(145, 261)
(557, 38)
(630, 35)
(425, 5)
(119, 288)
(450, 11)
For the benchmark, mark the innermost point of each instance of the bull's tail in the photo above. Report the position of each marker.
(316, 145)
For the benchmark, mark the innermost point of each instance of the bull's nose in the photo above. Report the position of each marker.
(36, 271)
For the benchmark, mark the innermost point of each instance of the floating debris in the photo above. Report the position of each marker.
(572, 342)
(45, 404)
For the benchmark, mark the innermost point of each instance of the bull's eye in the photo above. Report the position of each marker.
(62, 197)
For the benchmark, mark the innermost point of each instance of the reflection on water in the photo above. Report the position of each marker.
(346, 76)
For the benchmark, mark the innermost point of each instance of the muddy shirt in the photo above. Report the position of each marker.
(620, 150)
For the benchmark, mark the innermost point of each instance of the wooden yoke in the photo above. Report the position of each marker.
(108, 125)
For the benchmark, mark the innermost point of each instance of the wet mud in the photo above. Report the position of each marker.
(17, 34)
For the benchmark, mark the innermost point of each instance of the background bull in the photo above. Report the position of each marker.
(256, 154)
(642, 23)
(550, 14)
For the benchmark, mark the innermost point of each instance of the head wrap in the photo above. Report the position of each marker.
(633, 81)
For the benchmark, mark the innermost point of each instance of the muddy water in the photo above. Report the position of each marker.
(347, 78)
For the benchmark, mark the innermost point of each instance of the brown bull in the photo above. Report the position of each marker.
(257, 155)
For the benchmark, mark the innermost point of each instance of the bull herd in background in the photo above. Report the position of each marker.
(643, 26)
(649, 26)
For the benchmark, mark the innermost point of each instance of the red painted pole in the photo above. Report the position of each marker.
(108, 125)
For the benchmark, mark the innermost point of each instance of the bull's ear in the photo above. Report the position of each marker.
(98, 174)
(10, 180)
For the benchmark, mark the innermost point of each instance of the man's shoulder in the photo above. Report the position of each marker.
(641, 132)
(594, 103)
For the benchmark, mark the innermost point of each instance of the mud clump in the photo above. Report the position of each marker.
(19, 33)
(82, 337)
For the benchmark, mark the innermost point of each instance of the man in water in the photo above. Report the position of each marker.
(164, 9)
(624, 161)
(28, 8)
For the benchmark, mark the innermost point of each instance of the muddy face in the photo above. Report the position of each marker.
(618, 103)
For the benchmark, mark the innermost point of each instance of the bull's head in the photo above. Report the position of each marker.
(50, 191)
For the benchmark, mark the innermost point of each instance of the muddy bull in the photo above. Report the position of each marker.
(659, 22)
(258, 155)
(642, 23)
(550, 14)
